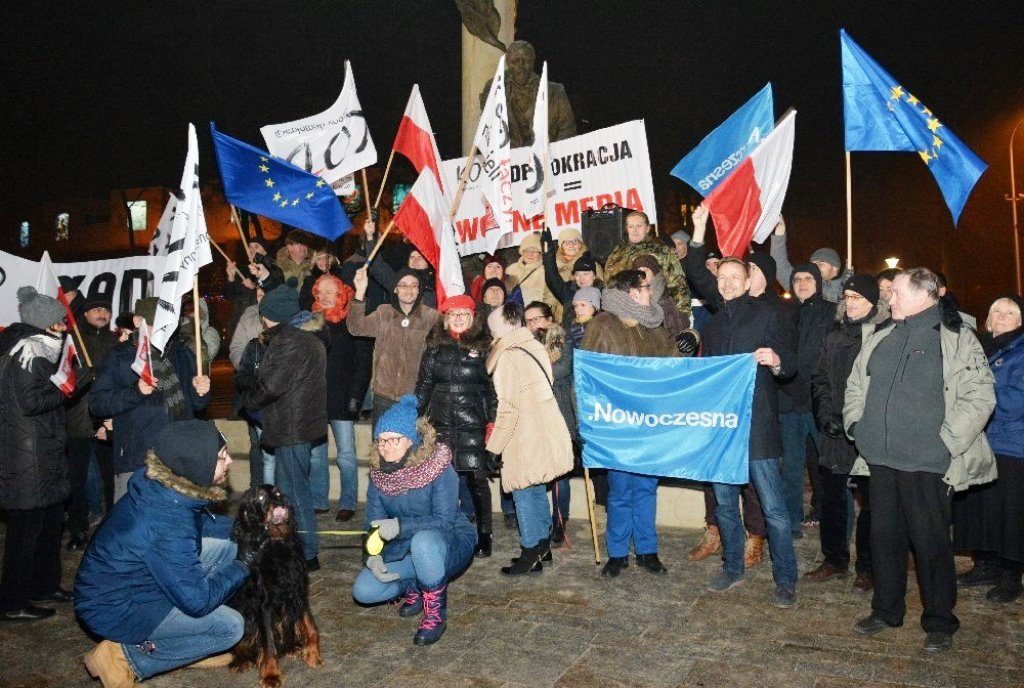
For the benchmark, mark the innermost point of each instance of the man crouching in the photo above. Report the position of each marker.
(155, 577)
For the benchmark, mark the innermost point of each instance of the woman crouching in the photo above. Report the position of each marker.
(413, 499)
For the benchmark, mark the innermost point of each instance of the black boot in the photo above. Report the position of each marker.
(528, 562)
(1009, 587)
(557, 534)
(543, 546)
(985, 572)
(483, 546)
(614, 566)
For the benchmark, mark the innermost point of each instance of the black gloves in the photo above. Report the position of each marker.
(546, 241)
(834, 428)
(250, 558)
(84, 376)
(493, 462)
(687, 342)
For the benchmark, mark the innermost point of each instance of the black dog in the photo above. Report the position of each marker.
(275, 600)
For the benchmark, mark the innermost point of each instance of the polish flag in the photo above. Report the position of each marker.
(65, 377)
(415, 139)
(747, 204)
(423, 217)
(48, 283)
(143, 355)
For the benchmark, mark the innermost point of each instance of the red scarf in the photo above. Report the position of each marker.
(339, 311)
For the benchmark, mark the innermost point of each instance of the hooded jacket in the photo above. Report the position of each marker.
(434, 506)
(828, 386)
(33, 468)
(832, 290)
(144, 559)
(968, 399)
(291, 386)
(455, 392)
(814, 318)
(1006, 429)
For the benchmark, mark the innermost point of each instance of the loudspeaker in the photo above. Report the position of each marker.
(603, 230)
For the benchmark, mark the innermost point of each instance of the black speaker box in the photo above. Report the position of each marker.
(603, 230)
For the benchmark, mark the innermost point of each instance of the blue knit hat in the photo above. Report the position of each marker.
(400, 418)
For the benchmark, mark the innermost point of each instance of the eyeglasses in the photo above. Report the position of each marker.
(853, 297)
(389, 441)
(535, 319)
(408, 286)
(531, 250)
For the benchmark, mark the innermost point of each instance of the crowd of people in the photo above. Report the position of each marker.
(905, 419)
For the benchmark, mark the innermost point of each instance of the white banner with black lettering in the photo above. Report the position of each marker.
(610, 165)
(121, 280)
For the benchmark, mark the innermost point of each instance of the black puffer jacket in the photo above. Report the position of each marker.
(454, 391)
(814, 318)
(291, 386)
(828, 386)
(33, 469)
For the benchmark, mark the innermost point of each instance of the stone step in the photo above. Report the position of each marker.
(678, 504)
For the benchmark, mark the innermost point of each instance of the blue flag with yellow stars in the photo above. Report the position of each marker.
(269, 186)
(880, 115)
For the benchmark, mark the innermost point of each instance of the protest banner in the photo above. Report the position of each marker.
(672, 417)
(120, 280)
(610, 165)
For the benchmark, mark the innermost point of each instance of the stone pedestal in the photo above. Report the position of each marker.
(479, 60)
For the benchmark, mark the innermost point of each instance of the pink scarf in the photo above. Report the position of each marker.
(413, 477)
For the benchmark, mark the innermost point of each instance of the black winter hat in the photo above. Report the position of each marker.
(189, 448)
(766, 264)
(585, 263)
(494, 282)
(865, 285)
(280, 304)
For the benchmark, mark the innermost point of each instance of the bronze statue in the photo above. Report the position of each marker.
(521, 84)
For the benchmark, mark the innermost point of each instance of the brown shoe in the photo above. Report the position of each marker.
(863, 583)
(753, 551)
(107, 662)
(213, 662)
(825, 572)
(710, 544)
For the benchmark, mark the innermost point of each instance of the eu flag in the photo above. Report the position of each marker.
(880, 115)
(269, 186)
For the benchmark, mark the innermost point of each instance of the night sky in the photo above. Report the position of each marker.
(98, 96)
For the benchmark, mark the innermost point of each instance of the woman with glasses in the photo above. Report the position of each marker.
(454, 392)
(412, 501)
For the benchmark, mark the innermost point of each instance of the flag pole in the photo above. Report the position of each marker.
(195, 321)
(590, 508)
(219, 249)
(384, 179)
(366, 194)
(245, 241)
(849, 214)
(380, 242)
(462, 182)
(81, 343)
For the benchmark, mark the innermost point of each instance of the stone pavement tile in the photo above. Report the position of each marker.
(422, 677)
(721, 674)
(920, 670)
(519, 660)
(987, 677)
(639, 665)
(840, 682)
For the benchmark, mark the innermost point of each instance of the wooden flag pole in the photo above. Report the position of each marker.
(81, 343)
(380, 241)
(238, 224)
(195, 321)
(366, 194)
(849, 214)
(590, 509)
(384, 179)
(462, 182)
(219, 250)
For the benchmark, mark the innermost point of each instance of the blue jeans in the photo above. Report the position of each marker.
(767, 482)
(632, 507)
(560, 501)
(293, 479)
(532, 514)
(181, 639)
(319, 475)
(796, 427)
(423, 567)
(269, 461)
(345, 439)
(94, 485)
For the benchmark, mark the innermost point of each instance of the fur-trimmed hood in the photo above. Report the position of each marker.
(157, 471)
(419, 455)
(554, 342)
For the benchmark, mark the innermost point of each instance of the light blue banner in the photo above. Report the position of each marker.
(671, 417)
(721, 151)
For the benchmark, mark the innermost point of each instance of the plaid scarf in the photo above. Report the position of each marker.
(413, 477)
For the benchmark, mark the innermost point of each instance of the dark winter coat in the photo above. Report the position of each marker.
(33, 468)
(828, 386)
(560, 352)
(99, 341)
(741, 326)
(454, 392)
(144, 559)
(349, 366)
(137, 417)
(1006, 429)
(814, 318)
(245, 376)
(291, 386)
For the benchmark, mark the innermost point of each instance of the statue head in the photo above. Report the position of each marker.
(519, 60)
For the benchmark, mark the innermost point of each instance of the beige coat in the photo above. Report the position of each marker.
(529, 431)
(529, 277)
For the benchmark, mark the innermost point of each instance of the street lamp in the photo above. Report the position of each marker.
(1013, 198)
(892, 263)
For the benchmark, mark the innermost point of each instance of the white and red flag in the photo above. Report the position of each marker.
(65, 377)
(415, 139)
(49, 284)
(746, 205)
(143, 365)
(423, 218)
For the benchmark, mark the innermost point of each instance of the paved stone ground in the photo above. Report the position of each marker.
(569, 627)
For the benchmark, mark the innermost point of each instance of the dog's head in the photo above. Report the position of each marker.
(264, 510)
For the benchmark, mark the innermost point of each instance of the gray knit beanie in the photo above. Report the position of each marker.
(39, 310)
(827, 255)
(591, 295)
